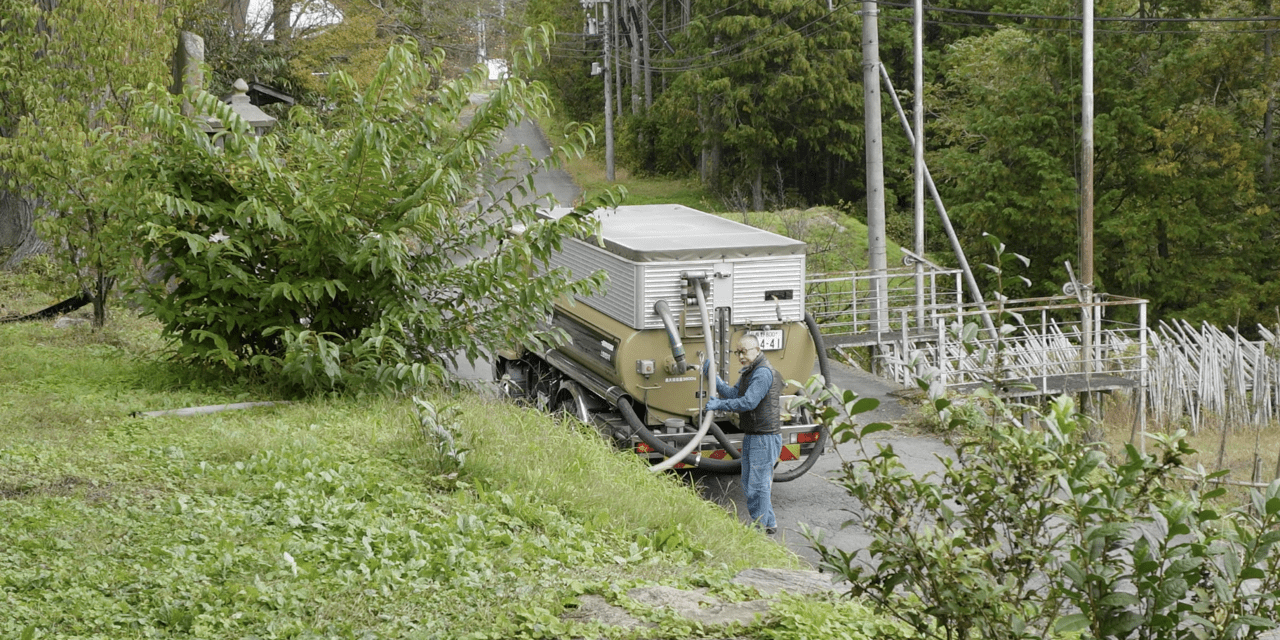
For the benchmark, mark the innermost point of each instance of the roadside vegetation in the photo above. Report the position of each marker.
(448, 516)
(1037, 528)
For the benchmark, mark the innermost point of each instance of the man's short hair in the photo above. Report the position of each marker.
(749, 342)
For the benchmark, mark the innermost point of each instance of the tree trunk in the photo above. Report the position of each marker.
(280, 20)
(636, 82)
(102, 289)
(707, 160)
(617, 60)
(1267, 119)
(238, 12)
(662, 77)
(17, 229)
(757, 189)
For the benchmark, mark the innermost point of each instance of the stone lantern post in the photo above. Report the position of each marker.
(240, 103)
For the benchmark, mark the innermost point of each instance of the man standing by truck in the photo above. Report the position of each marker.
(757, 398)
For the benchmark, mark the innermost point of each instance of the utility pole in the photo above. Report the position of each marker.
(876, 244)
(608, 101)
(918, 148)
(1086, 204)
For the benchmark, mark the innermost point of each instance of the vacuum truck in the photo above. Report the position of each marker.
(683, 286)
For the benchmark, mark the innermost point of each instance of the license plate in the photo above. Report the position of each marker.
(770, 340)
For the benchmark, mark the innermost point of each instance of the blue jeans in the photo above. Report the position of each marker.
(758, 455)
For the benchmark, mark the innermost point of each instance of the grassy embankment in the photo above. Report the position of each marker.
(327, 517)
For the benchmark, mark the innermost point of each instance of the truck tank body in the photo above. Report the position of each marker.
(618, 348)
(617, 354)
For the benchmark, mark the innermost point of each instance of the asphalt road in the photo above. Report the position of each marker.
(556, 187)
(814, 499)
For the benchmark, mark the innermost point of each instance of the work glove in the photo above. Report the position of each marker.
(715, 404)
(706, 368)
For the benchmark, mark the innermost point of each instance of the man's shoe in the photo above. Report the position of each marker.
(770, 530)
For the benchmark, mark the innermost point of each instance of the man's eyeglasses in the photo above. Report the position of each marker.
(739, 352)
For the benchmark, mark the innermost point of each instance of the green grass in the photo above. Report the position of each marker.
(327, 517)
(589, 174)
(837, 240)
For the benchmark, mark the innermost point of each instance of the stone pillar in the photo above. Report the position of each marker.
(186, 67)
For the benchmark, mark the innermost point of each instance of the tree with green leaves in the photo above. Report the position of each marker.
(362, 245)
(776, 92)
(1180, 217)
(67, 76)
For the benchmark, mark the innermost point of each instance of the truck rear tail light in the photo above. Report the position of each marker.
(807, 437)
(643, 448)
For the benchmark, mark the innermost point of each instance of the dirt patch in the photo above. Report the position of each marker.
(65, 487)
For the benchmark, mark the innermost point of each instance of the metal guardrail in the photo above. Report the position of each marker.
(844, 303)
(1043, 352)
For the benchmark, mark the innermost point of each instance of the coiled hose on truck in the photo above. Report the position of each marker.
(638, 428)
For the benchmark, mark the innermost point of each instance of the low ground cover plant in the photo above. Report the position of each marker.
(448, 517)
(1034, 531)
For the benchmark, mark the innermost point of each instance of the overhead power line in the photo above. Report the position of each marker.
(738, 50)
(1029, 16)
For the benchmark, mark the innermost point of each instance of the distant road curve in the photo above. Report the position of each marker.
(554, 182)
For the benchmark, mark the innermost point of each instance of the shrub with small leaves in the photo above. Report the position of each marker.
(360, 246)
(1033, 532)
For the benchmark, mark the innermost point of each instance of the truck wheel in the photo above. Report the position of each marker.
(571, 400)
(512, 378)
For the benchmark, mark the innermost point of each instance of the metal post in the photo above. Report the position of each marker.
(906, 359)
(1044, 334)
(608, 101)
(942, 354)
(853, 283)
(877, 255)
(1142, 377)
(918, 165)
(1086, 200)
(969, 280)
(933, 296)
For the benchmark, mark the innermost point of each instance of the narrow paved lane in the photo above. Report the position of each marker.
(555, 183)
(814, 499)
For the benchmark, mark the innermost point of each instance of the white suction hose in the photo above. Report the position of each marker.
(708, 416)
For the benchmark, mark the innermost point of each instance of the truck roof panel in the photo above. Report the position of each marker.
(673, 232)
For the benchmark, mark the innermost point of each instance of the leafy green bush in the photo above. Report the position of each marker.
(1032, 532)
(359, 246)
